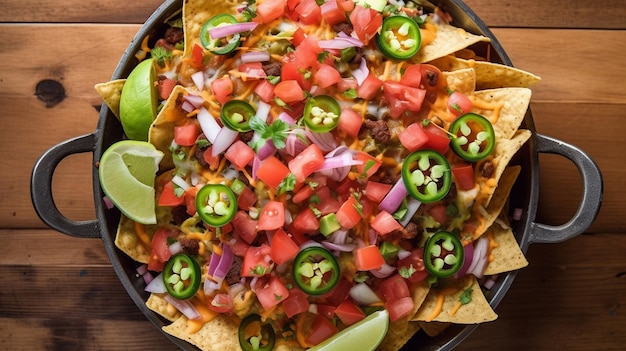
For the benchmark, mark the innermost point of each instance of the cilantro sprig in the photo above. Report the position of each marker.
(277, 132)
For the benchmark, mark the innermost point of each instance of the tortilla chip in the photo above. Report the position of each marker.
(128, 241)
(111, 93)
(499, 199)
(195, 14)
(218, 334)
(489, 75)
(449, 40)
(507, 255)
(161, 131)
(504, 151)
(159, 305)
(463, 80)
(433, 328)
(477, 310)
(512, 104)
(398, 334)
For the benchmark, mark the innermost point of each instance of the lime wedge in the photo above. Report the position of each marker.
(138, 101)
(127, 170)
(362, 336)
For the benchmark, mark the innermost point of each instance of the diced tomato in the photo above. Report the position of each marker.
(438, 139)
(376, 191)
(369, 87)
(339, 293)
(212, 161)
(326, 76)
(399, 308)
(246, 199)
(327, 201)
(306, 222)
(296, 302)
(289, 91)
(252, 70)
(463, 175)
(186, 135)
(333, 13)
(272, 216)
(411, 98)
(159, 244)
(432, 78)
(309, 12)
(265, 91)
(370, 164)
(190, 200)
(348, 214)
(168, 197)
(255, 263)
(283, 248)
(269, 10)
(413, 137)
(459, 103)
(238, 246)
(165, 87)
(306, 53)
(272, 293)
(222, 89)
(306, 162)
(414, 263)
(245, 226)
(293, 71)
(350, 122)
(412, 76)
(394, 288)
(272, 171)
(221, 303)
(368, 257)
(197, 57)
(346, 5)
(154, 264)
(349, 313)
(384, 223)
(326, 310)
(239, 154)
(438, 212)
(366, 22)
(302, 194)
(298, 36)
(347, 84)
(321, 329)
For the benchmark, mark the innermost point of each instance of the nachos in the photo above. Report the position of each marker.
(324, 161)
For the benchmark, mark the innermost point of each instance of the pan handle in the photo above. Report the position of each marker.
(591, 197)
(41, 188)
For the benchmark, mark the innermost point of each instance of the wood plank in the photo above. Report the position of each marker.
(78, 11)
(551, 13)
(503, 13)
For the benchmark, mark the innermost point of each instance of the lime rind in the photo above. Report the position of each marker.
(138, 101)
(127, 170)
(364, 335)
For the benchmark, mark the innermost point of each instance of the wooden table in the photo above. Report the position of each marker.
(60, 293)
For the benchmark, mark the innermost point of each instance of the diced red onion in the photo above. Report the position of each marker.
(412, 205)
(285, 117)
(224, 139)
(195, 100)
(187, 106)
(178, 180)
(328, 6)
(325, 141)
(256, 163)
(479, 258)
(185, 307)
(339, 236)
(372, 236)
(363, 295)
(263, 110)
(383, 271)
(107, 202)
(176, 248)
(208, 124)
(343, 160)
(255, 56)
(403, 254)
(309, 243)
(198, 79)
(339, 43)
(141, 270)
(295, 142)
(394, 197)
(361, 73)
(157, 285)
(339, 247)
(489, 283)
(517, 214)
(230, 29)
(266, 150)
(226, 261)
(468, 257)
(147, 278)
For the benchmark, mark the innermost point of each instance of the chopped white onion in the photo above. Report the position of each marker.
(383, 271)
(255, 56)
(178, 180)
(208, 124)
(185, 307)
(361, 73)
(225, 138)
(412, 205)
(263, 110)
(198, 79)
(363, 295)
(157, 285)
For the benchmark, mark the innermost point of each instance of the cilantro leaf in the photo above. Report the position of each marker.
(466, 296)
(277, 132)
(406, 272)
(287, 184)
